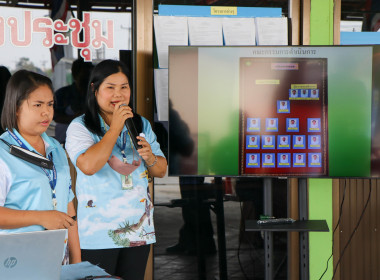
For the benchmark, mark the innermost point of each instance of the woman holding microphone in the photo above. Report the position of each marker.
(115, 209)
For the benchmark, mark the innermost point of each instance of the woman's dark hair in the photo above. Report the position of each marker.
(100, 72)
(5, 75)
(19, 86)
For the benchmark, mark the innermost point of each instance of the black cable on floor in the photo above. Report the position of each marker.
(356, 227)
(337, 224)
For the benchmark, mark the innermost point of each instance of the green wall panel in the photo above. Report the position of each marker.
(320, 194)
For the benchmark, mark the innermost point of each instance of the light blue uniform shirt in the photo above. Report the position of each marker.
(25, 186)
(108, 216)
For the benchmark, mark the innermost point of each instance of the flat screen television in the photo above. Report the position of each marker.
(289, 111)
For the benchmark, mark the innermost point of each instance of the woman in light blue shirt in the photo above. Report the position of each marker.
(115, 209)
(32, 197)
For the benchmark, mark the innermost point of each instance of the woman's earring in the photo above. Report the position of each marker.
(93, 89)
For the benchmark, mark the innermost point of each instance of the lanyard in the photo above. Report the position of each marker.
(52, 181)
(124, 141)
(122, 148)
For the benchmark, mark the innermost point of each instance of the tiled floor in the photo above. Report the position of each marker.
(168, 222)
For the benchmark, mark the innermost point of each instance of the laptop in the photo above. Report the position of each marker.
(32, 255)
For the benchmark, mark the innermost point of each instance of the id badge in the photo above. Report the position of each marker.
(126, 182)
(54, 204)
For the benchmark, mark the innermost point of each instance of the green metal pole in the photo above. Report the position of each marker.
(320, 190)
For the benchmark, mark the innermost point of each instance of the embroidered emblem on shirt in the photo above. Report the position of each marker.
(90, 204)
(144, 174)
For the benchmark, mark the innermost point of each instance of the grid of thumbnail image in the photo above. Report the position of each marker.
(275, 149)
(283, 122)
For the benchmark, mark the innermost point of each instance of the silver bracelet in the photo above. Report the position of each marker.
(154, 162)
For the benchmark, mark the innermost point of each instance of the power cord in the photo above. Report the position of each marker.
(356, 227)
(337, 224)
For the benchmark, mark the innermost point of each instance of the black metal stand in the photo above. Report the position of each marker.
(218, 208)
(219, 211)
(304, 226)
(268, 235)
(201, 261)
(304, 236)
(300, 225)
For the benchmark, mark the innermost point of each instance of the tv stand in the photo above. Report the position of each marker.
(303, 226)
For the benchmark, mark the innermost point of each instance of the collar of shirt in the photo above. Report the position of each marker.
(49, 144)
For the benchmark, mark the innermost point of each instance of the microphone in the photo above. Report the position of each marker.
(132, 132)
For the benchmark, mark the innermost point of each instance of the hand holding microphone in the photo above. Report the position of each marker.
(133, 132)
(122, 112)
(144, 150)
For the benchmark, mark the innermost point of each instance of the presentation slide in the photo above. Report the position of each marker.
(285, 111)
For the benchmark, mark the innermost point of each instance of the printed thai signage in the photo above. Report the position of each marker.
(59, 33)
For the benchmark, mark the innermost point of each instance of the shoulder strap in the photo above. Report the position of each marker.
(29, 156)
(5, 142)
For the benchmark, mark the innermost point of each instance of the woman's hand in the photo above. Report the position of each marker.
(55, 220)
(121, 112)
(146, 151)
(156, 164)
(74, 246)
(98, 154)
(10, 219)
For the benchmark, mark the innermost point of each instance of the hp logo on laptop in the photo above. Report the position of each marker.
(10, 262)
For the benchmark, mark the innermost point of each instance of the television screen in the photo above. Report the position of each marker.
(293, 111)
